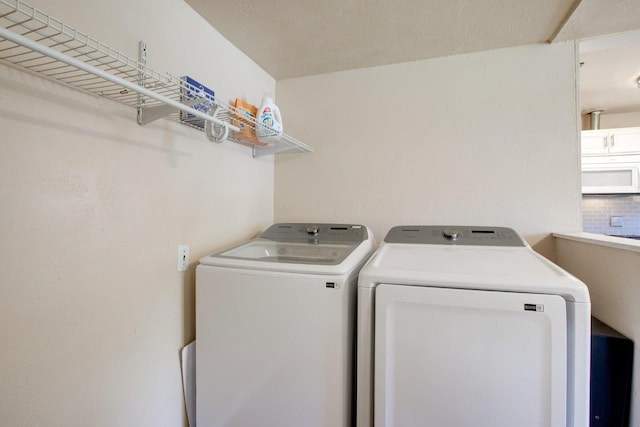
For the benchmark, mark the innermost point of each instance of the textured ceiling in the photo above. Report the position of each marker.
(292, 38)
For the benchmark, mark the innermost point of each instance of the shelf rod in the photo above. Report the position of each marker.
(35, 46)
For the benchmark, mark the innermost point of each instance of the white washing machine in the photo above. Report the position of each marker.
(275, 328)
(468, 326)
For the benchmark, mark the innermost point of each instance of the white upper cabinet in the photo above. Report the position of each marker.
(594, 142)
(611, 141)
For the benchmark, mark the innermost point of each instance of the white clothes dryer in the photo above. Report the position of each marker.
(275, 328)
(463, 326)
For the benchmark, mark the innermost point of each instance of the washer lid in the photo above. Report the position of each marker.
(302, 248)
(290, 252)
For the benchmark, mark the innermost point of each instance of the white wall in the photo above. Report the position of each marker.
(92, 310)
(483, 138)
(612, 277)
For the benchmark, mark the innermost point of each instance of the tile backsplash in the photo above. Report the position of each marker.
(598, 210)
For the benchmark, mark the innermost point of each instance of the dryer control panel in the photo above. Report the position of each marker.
(324, 233)
(462, 235)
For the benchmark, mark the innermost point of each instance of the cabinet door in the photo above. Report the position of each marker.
(624, 141)
(594, 142)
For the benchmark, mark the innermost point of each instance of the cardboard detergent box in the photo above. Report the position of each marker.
(245, 118)
(191, 89)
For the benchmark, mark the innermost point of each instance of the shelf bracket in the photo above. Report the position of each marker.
(142, 60)
(266, 151)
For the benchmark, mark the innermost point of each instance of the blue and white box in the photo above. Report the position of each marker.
(192, 89)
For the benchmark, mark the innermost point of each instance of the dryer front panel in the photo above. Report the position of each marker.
(452, 357)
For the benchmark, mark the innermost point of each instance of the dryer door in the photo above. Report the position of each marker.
(453, 357)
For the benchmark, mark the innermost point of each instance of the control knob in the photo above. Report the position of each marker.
(451, 234)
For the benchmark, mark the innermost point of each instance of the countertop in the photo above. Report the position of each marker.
(602, 240)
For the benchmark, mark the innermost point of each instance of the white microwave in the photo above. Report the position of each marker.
(610, 178)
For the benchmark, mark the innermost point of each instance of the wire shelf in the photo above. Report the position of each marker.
(34, 41)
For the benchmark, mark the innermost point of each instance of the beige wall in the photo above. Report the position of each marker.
(612, 277)
(92, 310)
(484, 138)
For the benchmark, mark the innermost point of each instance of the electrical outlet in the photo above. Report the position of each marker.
(615, 221)
(183, 257)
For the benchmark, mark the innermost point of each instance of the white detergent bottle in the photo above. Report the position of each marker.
(270, 121)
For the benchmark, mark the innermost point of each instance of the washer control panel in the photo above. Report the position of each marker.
(455, 235)
(324, 233)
